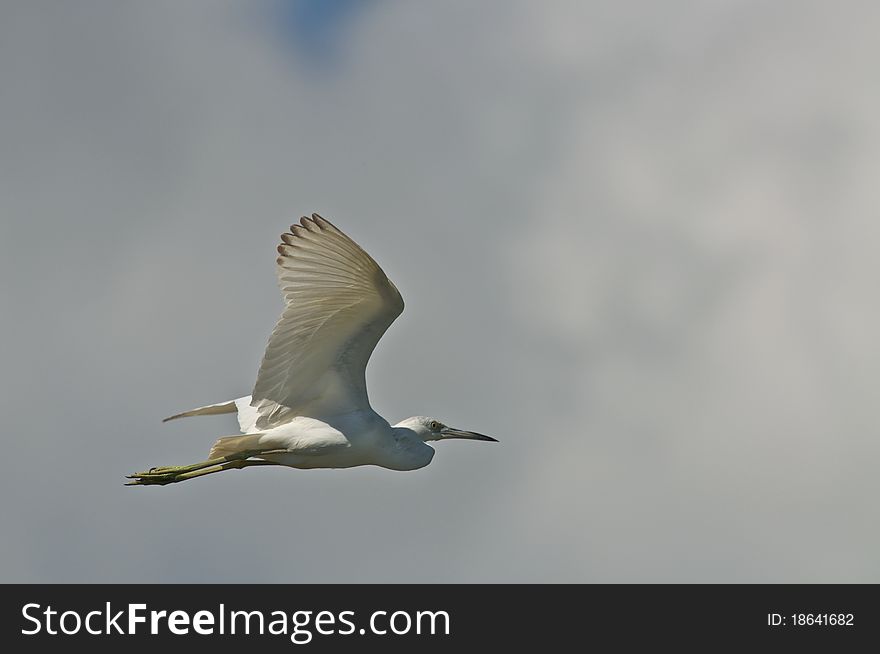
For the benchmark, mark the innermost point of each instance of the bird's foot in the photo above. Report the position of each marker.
(157, 476)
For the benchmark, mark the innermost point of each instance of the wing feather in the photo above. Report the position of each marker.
(338, 303)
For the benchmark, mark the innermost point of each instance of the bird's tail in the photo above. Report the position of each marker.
(210, 410)
(234, 444)
(247, 415)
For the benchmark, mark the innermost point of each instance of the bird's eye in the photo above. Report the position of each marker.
(435, 425)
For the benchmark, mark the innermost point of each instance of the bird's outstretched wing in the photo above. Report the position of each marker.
(338, 303)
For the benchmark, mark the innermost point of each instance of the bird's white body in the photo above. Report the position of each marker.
(309, 407)
(360, 437)
(346, 441)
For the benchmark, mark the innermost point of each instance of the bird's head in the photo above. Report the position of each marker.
(431, 429)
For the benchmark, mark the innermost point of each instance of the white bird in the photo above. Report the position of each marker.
(309, 407)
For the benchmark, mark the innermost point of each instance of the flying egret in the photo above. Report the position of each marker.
(309, 407)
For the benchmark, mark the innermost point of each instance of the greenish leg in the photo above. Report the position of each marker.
(173, 474)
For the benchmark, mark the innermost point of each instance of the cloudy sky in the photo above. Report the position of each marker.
(637, 241)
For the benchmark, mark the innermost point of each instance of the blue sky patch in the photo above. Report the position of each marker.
(315, 30)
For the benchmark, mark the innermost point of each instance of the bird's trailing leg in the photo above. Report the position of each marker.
(173, 474)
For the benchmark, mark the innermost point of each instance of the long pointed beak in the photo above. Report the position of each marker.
(449, 432)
